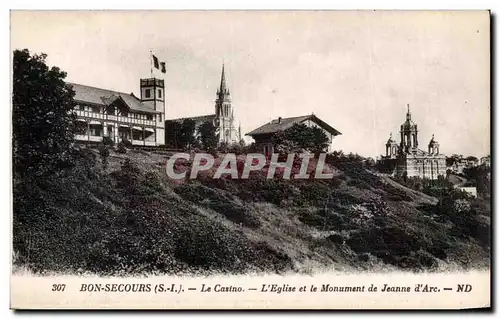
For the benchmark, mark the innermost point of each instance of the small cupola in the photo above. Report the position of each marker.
(433, 146)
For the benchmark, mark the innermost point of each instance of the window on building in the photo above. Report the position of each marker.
(159, 93)
(96, 131)
(148, 93)
(149, 117)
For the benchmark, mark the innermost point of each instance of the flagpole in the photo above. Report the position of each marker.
(151, 61)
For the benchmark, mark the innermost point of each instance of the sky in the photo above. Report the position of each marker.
(356, 70)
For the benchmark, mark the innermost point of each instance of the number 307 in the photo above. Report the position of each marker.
(58, 287)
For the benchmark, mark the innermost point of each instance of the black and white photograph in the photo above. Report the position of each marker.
(250, 159)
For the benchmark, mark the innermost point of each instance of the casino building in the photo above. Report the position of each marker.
(122, 116)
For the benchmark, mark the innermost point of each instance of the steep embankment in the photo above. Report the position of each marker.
(128, 216)
(418, 198)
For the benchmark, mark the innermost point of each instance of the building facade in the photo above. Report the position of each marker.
(263, 135)
(224, 114)
(410, 160)
(122, 116)
(223, 118)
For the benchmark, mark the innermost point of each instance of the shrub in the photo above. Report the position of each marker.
(126, 143)
(121, 148)
(217, 201)
(323, 219)
(268, 190)
(104, 152)
(108, 141)
(401, 247)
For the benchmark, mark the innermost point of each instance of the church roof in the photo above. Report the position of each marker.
(282, 124)
(104, 97)
(408, 124)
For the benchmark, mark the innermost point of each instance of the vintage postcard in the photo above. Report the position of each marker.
(251, 160)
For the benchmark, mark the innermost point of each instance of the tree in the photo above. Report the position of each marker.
(455, 158)
(208, 136)
(301, 137)
(186, 136)
(472, 159)
(43, 124)
(320, 139)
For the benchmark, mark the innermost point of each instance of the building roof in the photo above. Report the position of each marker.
(104, 97)
(198, 119)
(286, 123)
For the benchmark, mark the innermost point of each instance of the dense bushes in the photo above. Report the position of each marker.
(268, 190)
(121, 148)
(480, 177)
(128, 221)
(400, 247)
(108, 141)
(219, 202)
(124, 223)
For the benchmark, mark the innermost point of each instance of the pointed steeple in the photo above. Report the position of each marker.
(223, 87)
(408, 114)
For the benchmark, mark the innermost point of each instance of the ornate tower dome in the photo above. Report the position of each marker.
(409, 134)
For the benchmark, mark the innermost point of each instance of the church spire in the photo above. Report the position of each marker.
(223, 87)
(408, 114)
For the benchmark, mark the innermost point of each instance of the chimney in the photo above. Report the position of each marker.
(279, 120)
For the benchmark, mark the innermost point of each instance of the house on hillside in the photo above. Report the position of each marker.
(121, 116)
(263, 135)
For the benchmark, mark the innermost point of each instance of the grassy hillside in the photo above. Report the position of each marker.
(127, 216)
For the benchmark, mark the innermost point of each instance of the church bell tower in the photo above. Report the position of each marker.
(409, 134)
(223, 111)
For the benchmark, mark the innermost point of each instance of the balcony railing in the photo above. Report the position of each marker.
(93, 138)
(115, 118)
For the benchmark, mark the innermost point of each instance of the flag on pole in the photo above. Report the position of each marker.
(155, 62)
(163, 67)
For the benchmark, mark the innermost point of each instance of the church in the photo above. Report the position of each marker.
(222, 119)
(411, 161)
